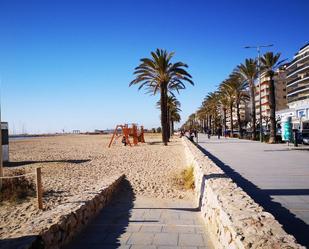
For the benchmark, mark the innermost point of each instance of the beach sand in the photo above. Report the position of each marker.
(73, 165)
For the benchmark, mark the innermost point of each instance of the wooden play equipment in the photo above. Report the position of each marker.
(125, 131)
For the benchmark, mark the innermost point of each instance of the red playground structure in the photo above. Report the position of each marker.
(126, 132)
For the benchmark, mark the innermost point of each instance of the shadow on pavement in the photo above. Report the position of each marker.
(106, 229)
(291, 224)
(20, 242)
(286, 191)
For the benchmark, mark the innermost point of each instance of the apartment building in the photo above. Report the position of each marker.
(280, 94)
(298, 90)
(244, 111)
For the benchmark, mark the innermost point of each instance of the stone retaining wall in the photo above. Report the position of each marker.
(232, 218)
(72, 217)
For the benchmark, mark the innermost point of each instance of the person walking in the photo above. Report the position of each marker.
(219, 132)
(196, 135)
(192, 135)
(209, 133)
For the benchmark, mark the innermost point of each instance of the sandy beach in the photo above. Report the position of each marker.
(73, 165)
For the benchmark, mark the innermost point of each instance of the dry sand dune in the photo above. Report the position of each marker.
(74, 164)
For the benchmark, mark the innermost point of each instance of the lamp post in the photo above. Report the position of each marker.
(258, 48)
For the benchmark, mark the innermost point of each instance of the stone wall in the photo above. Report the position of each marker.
(71, 217)
(232, 218)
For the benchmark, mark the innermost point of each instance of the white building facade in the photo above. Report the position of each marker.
(298, 90)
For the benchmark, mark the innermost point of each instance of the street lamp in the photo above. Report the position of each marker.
(258, 48)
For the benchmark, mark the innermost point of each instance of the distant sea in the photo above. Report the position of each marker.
(24, 137)
(20, 138)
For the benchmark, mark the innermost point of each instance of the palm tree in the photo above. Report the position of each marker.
(175, 117)
(238, 87)
(248, 71)
(269, 62)
(173, 109)
(159, 74)
(224, 102)
(227, 92)
(211, 105)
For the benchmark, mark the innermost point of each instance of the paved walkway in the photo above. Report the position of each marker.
(273, 175)
(139, 222)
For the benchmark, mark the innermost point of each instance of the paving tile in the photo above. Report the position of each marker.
(200, 229)
(168, 247)
(178, 229)
(180, 222)
(191, 240)
(151, 228)
(143, 247)
(170, 216)
(188, 215)
(141, 239)
(133, 227)
(151, 225)
(152, 214)
(168, 239)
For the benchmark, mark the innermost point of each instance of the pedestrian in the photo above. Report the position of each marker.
(182, 133)
(195, 134)
(191, 135)
(209, 133)
(219, 132)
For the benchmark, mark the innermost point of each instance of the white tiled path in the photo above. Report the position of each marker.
(141, 222)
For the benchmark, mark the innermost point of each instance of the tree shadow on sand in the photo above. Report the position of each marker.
(23, 163)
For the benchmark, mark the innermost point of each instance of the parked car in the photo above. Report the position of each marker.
(305, 138)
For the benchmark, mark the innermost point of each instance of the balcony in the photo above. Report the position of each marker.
(298, 79)
(297, 88)
(297, 98)
(298, 69)
(298, 59)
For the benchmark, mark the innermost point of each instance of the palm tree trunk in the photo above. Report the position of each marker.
(224, 120)
(172, 127)
(238, 120)
(168, 121)
(253, 118)
(231, 118)
(272, 105)
(163, 103)
(210, 126)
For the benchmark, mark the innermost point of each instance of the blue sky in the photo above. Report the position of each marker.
(66, 64)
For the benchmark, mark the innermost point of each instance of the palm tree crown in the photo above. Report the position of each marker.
(248, 72)
(159, 74)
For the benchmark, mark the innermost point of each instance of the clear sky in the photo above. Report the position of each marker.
(66, 64)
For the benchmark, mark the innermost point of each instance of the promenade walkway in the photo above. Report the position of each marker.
(273, 175)
(138, 222)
